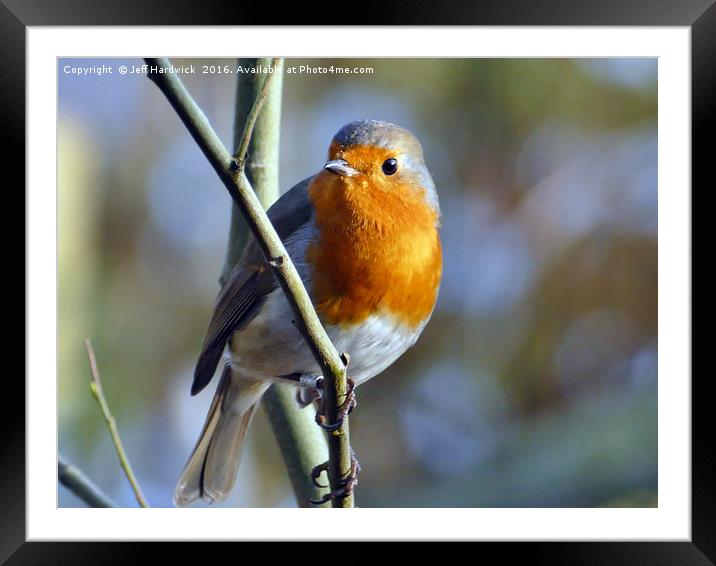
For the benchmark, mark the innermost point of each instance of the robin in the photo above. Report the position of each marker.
(363, 234)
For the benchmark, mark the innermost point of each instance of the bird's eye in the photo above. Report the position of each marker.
(390, 166)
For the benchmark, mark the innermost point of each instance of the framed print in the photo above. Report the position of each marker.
(492, 219)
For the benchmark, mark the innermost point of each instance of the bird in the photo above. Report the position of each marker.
(364, 235)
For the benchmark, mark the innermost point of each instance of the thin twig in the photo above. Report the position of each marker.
(83, 487)
(263, 149)
(243, 146)
(98, 393)
(232, 174)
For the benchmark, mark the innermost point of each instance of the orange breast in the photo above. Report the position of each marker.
(378, 252)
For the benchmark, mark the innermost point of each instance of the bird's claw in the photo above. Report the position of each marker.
(346, 408)
(316, 472)
(345, 486)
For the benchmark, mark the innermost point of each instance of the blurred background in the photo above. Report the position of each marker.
(535, 383)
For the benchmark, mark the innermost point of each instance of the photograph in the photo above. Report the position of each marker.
(450, 302)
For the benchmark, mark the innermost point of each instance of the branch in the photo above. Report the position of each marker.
(243, 146)
(98, 393)
(232, 174)
(262, 163)
(79, 484)
(302, 444)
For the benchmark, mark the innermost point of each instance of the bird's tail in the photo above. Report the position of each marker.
(211, 471)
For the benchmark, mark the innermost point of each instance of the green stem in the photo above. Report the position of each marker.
(263, 151)
(302, 444)
(98, 393)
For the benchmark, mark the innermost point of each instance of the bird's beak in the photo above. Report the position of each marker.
(340, 167)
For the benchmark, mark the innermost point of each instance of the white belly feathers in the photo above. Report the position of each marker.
(270, 345)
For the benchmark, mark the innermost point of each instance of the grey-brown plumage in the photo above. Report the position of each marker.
(214, 462)
(248, 284)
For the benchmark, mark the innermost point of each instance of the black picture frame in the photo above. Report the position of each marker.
(17, 15)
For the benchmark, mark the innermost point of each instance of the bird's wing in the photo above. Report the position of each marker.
(249, 283)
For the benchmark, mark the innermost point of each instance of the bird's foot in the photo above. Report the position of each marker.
(345, 409)
(345, 486)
